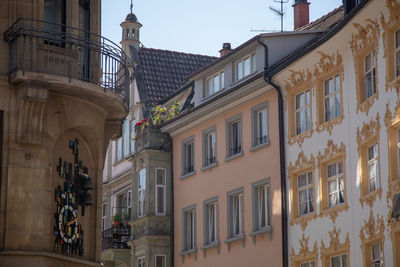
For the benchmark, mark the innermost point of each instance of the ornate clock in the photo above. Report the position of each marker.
(68, 231)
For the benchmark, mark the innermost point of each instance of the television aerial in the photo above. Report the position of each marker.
(279, 12)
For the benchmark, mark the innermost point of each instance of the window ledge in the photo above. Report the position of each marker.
(215, 164)
(187, 175)
(235, 238)
(256, 147)
(187, 252)
(210, 245)
(233, 156)
(261, 231)
(333, 211)
(204, 99)
(244, 78)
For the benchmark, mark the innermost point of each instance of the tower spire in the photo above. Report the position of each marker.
(131, 6)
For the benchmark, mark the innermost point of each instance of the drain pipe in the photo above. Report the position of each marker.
(268, 80)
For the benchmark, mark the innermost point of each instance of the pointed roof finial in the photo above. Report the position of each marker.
(131, 6)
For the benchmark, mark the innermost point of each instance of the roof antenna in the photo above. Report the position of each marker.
(131, 6)
(279, 12)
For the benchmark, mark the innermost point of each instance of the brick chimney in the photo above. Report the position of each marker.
(226, 48)
(301, 13)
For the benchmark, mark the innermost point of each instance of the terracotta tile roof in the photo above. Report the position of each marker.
(325, 22)
(166, 71)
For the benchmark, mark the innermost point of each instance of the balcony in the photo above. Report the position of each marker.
(69, 61)
(116, 237)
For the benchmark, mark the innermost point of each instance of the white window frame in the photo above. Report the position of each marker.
(129, 203)
(163, 187)
(261, 205)
(308, 264)
(234, 140)
(341, 260)
(164, 260)
(370, 72)
(187, 158)
(214, 84)
(142, 192)
(210, 221)
(132, 137)
(118, 150)
(240, 70)
(141, 261)
(235, 213)
(376, 260)
(126, 134)
(189, 228)
(332, 94)
(373, 161)
(209, 146)
(260, 125)
(337, 177)
(303, 110)
(397, 53)
(104, 216)
(306, 187)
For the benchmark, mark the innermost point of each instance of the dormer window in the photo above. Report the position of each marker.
(245, 66)
(214, 84)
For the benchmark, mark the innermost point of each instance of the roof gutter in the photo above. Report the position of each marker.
(268, 80)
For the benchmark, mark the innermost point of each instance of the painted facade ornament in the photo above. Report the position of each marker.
(364, 40)
(335, 247)
(327, 67)
(372, 232)
(368, 130)
(305, 254)
(301, 165)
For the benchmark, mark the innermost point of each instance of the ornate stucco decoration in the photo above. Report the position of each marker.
(390, 26)
(372, 232)
(301, 165)
(297, 82)
(335, 247)
(368, 134)
(332, 153)
(305, 254)
(364, 40)
(327, 67)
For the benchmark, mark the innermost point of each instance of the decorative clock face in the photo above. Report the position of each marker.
(68, 224)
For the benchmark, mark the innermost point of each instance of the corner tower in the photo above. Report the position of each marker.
(130, 31)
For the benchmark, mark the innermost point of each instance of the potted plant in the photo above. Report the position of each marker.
(117, 219)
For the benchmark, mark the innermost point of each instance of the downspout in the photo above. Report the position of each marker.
(268, 80)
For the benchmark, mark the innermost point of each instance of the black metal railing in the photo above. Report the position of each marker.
(235, 150)
(210, 161)
(189, 169)
(45, 47)
(116, 237)
(262, 139)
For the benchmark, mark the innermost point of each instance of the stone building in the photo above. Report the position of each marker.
(64, 90)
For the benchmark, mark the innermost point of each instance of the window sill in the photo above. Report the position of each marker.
(262, 231)
(256, 147)
(206, 98)
(239, 237)
(333, 211)
(233, 156)
(244, 78)
(299, 138)
(215, 164)
(210, 245)
(187, 175)
(370, 197)
(187, 252)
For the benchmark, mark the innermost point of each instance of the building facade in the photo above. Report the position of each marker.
(64, 90)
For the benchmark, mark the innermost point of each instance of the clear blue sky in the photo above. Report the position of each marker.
(201, 26)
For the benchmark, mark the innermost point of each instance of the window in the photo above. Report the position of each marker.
(260, 124)
(54, 12)
(306, 195)
(376, 255)
(372, 165)
(132, 139)
(303, 112)
(214, 84)
(160, 191)
(126, 137)
(245, 67)
(397, 53)
(335, 183)
(141, 262)
(332, 105)
(339, 261)
(104, 216)
(161, 261)
(189, 228)
(188, 156)
(142, 193)
(209, 147)
(210, 221)
(234, 136)
(129, 204)
(119, 149)
(369, 75)
(235, 213)
(261, 205)
(307, 264)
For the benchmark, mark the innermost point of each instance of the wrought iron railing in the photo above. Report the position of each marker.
(116, 237)
(45, 47)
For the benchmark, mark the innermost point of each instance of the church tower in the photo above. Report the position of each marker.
(130, 31)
